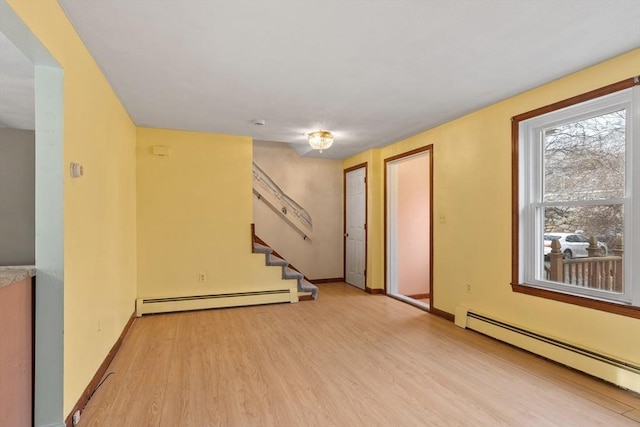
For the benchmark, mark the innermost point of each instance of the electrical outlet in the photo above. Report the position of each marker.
(468, 287)
(202, 277)
(76, 418)
(442, 218)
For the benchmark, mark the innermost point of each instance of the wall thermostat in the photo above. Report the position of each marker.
(76, 169)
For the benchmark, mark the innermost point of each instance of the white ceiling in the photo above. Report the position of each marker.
(374, 72)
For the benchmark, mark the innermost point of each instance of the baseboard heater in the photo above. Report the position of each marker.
(619, 372)
(200, 302)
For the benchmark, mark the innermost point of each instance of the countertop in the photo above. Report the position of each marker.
(15, 273)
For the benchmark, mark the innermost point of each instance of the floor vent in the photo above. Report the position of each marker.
(620, 372)
(200, 302)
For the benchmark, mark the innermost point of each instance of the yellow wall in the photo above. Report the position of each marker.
(472, 187)
(194, 216)
(100, 208)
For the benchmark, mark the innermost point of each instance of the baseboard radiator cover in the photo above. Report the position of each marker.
(619, 372)
(201, 302)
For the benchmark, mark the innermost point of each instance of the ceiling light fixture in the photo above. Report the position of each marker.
(320, 139)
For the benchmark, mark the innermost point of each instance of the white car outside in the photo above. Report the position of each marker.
(572, 245)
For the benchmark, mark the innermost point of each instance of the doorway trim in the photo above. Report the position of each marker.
(364, 165)
(387, 161)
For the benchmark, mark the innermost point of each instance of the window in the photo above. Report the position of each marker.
(576, 195)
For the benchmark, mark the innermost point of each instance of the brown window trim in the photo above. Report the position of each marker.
(610, 307)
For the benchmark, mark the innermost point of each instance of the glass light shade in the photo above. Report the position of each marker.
(320, 139)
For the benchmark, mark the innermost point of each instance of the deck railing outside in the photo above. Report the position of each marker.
(594, 272)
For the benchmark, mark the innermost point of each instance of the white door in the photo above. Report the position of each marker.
(355, 226)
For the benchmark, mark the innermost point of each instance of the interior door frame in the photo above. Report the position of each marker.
(387, 161)
(364, 165)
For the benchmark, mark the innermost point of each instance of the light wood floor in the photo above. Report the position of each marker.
(347, 359)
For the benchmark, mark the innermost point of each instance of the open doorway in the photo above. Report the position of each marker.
(408, 219)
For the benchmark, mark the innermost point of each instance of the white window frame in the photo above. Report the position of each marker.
(530, 181)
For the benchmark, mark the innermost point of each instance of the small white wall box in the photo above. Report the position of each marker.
(76, 170)
(161, 150)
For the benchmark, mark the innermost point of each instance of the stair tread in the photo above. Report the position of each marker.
(258, 248)
(306, 286)
(290, 273)
(275, 260)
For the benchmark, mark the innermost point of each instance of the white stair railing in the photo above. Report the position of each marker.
(272, 195)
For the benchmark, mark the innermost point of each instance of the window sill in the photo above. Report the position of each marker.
(609, 307)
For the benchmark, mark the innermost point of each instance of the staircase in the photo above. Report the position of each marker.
(273, 259)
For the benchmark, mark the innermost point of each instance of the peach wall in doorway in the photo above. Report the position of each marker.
(413, 225)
